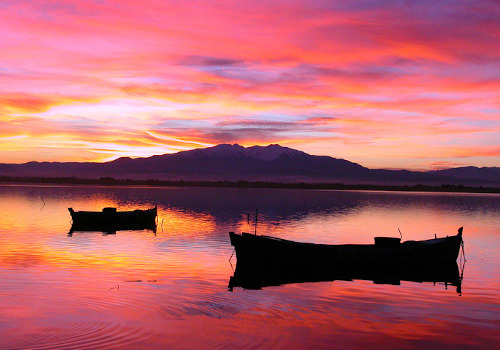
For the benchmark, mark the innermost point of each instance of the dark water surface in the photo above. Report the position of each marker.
(141, 290)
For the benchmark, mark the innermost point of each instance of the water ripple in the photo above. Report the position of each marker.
(97, 335)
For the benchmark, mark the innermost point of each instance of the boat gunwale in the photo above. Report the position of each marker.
(430, 242)
(136, 211)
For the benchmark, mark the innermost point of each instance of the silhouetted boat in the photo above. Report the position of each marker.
(266, 261)
(110, 220)
(265, 250)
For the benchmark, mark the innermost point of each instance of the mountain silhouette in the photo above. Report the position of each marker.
(472, 173)
(227, 162)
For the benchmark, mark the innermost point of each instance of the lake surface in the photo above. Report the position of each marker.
(169, 289)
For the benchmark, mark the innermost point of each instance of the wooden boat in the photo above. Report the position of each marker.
(267, 251)
(110, 220)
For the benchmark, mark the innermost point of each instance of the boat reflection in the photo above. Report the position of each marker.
(111, 228)
(250, 276)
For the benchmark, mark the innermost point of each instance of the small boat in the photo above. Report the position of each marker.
(110, 220)
(266, 251)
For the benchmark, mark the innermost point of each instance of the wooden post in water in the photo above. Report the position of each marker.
(256, 218)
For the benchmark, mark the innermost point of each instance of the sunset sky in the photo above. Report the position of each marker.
(387, 84)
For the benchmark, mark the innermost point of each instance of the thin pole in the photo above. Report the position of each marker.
(256, 218)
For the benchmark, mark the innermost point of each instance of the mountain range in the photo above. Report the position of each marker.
(227, 162)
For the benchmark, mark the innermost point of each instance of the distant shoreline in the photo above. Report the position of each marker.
(108, 181)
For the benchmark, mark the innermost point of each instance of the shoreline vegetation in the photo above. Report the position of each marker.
(109, 181)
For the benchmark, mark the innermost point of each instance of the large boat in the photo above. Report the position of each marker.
(265, 250)
(269, 261)
(110, 220)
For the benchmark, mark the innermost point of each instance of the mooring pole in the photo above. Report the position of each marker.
(256, 218)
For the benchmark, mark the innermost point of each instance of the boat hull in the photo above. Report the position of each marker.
(266, 251)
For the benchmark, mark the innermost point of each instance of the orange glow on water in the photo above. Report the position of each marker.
(169, 289)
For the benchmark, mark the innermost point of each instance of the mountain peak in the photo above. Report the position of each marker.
(264, 153)
(221, 150)
(272, 152)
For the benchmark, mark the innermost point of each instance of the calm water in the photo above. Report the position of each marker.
(141, 290)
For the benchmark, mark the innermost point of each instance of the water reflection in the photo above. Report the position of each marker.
(110, 229)
(257, 276)
(169, 290)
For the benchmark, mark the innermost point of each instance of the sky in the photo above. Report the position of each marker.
(386, 84)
